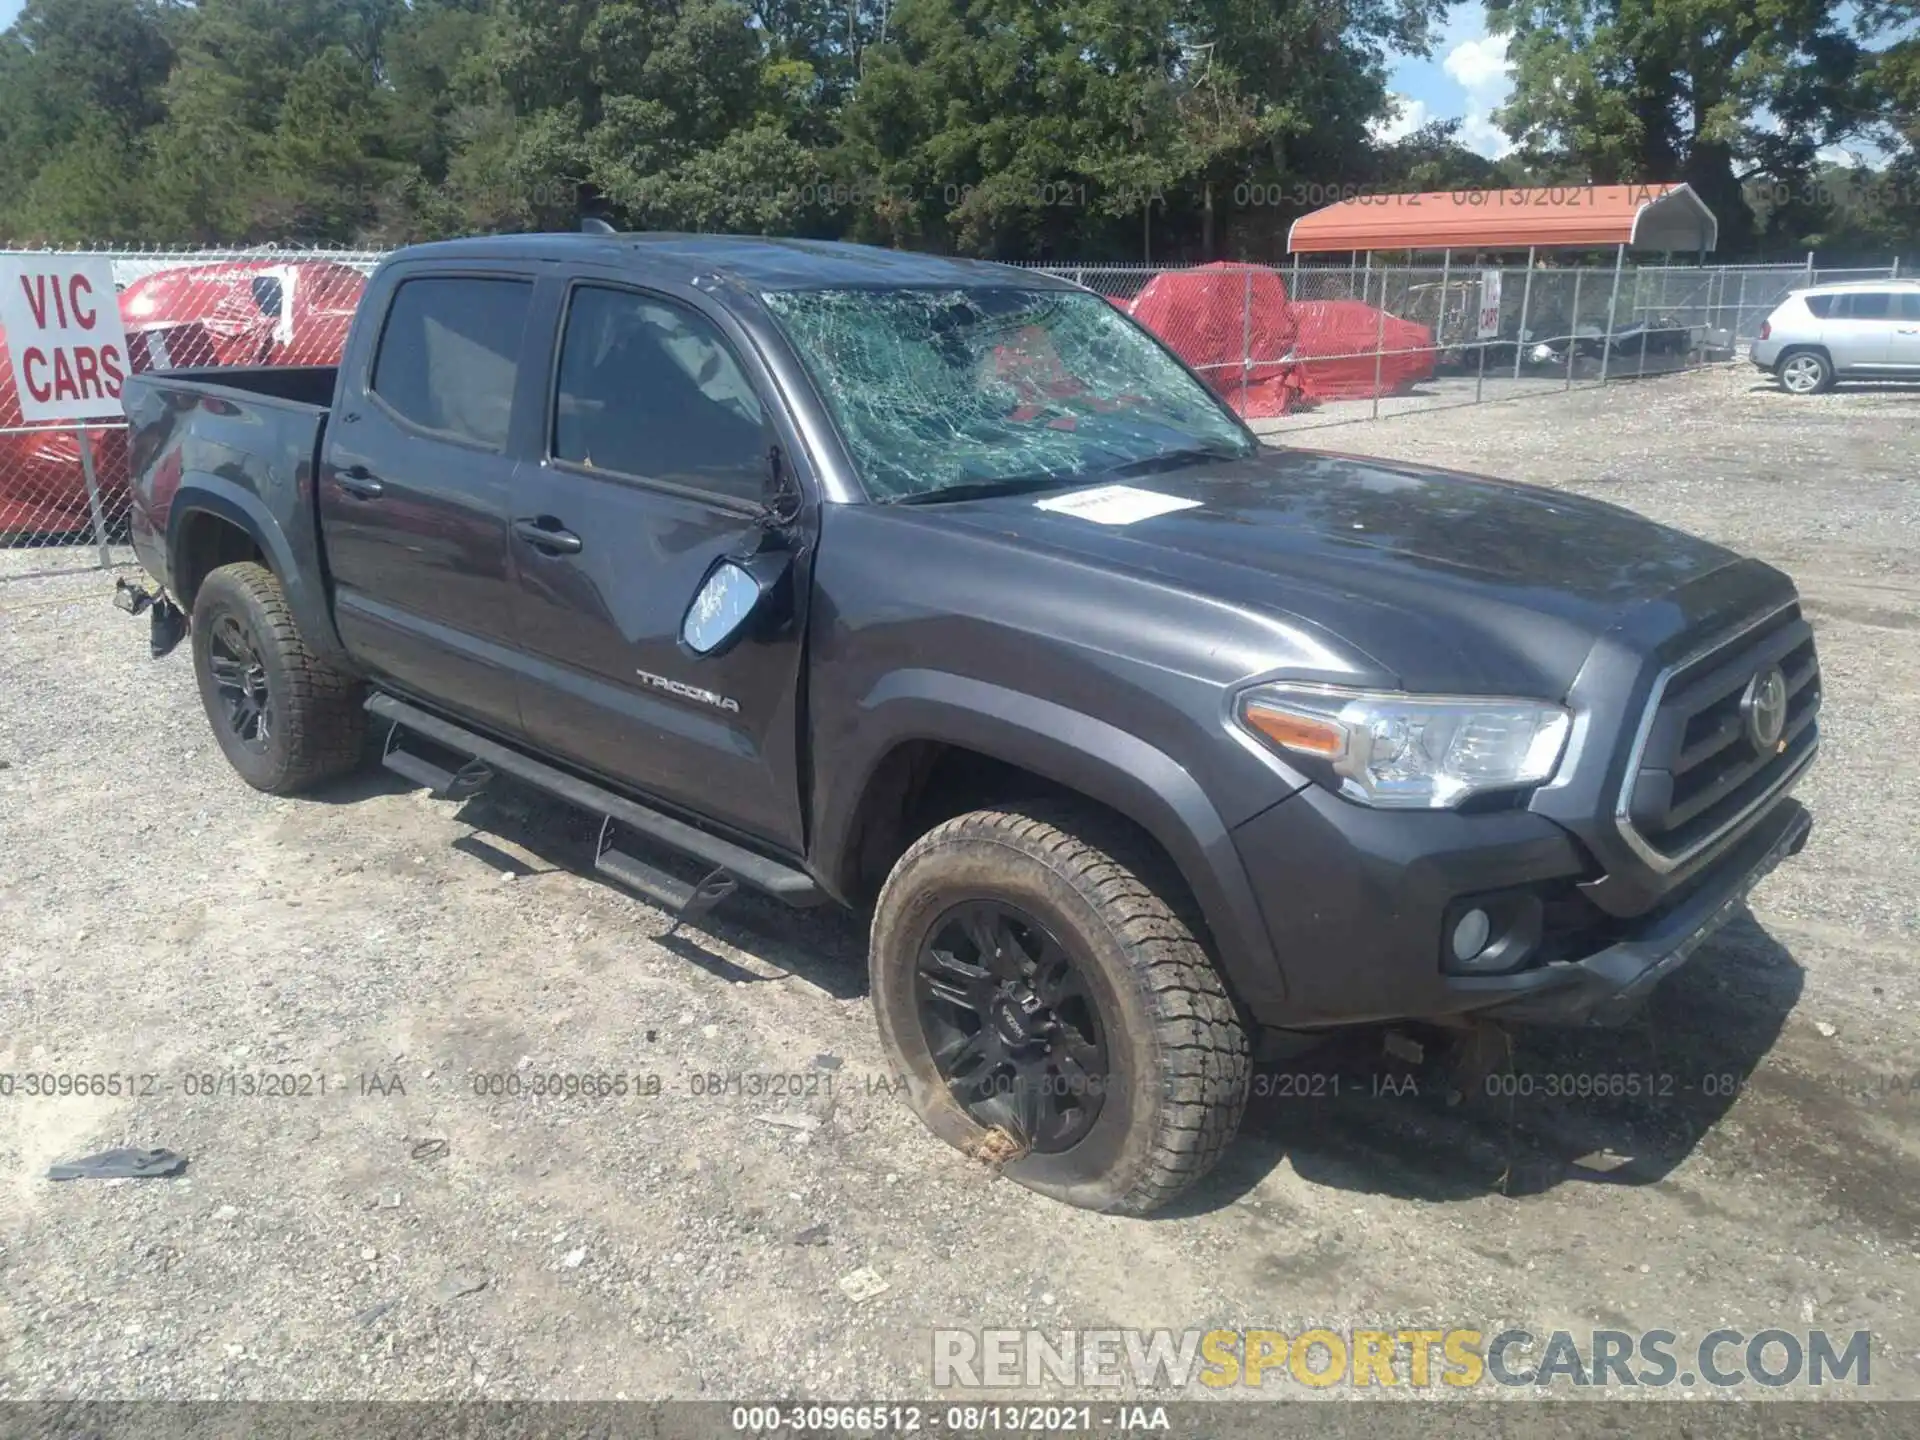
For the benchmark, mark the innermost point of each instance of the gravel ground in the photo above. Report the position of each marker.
(400, 1236)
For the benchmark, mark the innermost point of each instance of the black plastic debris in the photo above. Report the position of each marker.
(122, 1164)
(429, 1150)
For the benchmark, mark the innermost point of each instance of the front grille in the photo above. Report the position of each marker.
(1696, 771)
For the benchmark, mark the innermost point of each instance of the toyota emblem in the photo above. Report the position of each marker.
(1764, 709)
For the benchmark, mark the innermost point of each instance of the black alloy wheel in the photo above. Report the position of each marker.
(240, 674)
(1011, 1025)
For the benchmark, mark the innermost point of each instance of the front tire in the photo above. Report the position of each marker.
(1038, 982)
(285, 719)
(1805, 372)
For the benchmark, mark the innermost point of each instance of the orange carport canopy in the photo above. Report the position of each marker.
(1647, 217)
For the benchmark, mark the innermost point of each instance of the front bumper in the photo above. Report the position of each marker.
(1356, 902)
(1608, 986)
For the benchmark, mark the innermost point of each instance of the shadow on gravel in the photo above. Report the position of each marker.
(1609, 1107)
(1766, 384)
(824, 947)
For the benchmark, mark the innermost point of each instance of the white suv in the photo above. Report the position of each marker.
(1867, 329)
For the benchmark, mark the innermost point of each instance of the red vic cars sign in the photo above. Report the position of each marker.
(63, 334)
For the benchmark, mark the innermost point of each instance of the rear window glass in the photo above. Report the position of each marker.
(1864, 305)
(1820, 305)
(450, 352)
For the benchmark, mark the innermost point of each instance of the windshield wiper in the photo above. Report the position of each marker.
(984, 489)
(1176, 460)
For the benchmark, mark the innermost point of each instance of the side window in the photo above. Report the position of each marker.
(651, 389)
(1821, 306)
(449, 353)
(1910, 305)
(1865, 305)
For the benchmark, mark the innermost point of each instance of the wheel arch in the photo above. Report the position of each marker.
(934, 745)
(1806, 347)
(214, 522)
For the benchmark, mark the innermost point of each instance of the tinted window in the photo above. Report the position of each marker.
(449, 354)
(1910, 305)
(649, 388)
(1820, 305)
(1865, 305)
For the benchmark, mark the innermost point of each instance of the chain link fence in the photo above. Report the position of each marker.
(63, 487)
(1312, 343)
(1293, 346)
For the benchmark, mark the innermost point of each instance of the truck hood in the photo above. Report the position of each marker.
(1444, 581)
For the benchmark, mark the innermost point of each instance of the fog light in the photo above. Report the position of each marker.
(1471, 934)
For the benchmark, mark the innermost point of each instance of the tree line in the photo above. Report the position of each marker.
(1018, 129)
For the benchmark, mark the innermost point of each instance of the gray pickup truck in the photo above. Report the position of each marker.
(943, 591)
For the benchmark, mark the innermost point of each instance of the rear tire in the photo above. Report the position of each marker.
(1804, 372)
(285, 719)
(1135, 1061)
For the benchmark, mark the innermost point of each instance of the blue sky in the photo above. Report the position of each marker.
(1468, 77)
(1465, 79)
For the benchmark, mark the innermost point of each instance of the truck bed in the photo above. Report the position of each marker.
(250, 437)
(306, 385)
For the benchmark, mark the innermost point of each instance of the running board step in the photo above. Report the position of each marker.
(727, 861)
(444, 784)
(686, 902)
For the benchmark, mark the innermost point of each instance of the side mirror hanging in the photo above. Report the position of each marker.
(728, 600)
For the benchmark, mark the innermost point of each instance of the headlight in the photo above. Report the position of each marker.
(1417, 752)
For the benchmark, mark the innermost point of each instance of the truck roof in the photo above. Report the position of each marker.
(760, 262)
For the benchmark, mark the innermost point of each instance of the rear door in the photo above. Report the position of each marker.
(1905, 352)
(655, 465)
(414, 490)
(1858, 331)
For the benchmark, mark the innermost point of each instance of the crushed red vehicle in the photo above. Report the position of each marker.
(1349, 350)
(1213, 317)
(247, 312)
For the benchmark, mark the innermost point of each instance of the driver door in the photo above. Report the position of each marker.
(656, 466)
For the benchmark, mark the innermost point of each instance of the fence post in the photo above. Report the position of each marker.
(1739, 315)
(1613, 302)
(1573, 328)
(1379, 348)
(1894, 272)
(1810, 267)
(93, 495)
(1246, 340)
(1293, 290)
(1526, 295)
(1640, 314)
(1440, 318)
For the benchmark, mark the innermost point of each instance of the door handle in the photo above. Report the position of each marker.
(358, 480)
(547, 534)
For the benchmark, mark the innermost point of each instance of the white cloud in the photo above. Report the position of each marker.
(1480, 65)
(1408, 115)
(1480, 134)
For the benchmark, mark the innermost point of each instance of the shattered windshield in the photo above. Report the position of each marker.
(954, 390)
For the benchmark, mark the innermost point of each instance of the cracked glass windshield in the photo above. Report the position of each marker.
(946, 393)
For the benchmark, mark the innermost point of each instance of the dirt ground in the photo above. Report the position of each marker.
(387, 1232)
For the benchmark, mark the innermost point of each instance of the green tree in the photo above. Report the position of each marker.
(1712, 92)
(80, 81)
(1021, 127)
